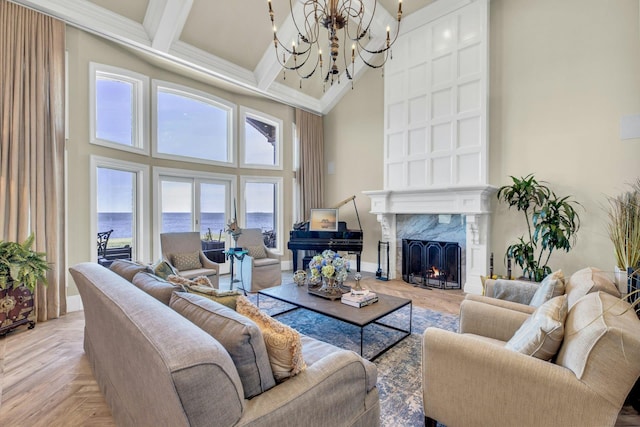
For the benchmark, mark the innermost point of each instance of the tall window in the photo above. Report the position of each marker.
(263, 207)
(261, 140)
(118, 204)
(193, 201)
(191, 125)
(119, 118)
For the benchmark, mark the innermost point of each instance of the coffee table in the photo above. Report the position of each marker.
(360, 317)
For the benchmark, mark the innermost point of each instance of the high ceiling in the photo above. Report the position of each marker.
(221, 41)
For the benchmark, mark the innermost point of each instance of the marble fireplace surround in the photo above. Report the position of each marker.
(433, 214)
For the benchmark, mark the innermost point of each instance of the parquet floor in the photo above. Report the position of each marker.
(46, 381)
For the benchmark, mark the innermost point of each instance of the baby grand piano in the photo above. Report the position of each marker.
(344, 240)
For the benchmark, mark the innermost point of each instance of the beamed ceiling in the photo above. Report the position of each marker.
(227, 43)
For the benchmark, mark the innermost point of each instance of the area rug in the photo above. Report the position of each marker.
(399, 376)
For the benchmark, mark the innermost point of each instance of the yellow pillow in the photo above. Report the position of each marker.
(284, 346)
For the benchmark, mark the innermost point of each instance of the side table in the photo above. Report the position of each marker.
(236, 254)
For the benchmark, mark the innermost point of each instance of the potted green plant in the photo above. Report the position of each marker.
(552, 223)
(624, 231)
(21, 268)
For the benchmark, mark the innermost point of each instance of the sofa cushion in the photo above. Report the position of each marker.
(284, 346)
(186, 261)
(126, 269)
(589, 280)
(551, 286)
(541, 334)
(202, 286)
(240, 336)
(162, 269)
(599, 331)
(520, 291)
(257, 252)
(155, 286)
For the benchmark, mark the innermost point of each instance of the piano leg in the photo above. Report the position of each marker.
(358, 263)
(295, 259)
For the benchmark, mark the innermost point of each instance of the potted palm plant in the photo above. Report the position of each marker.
(624, 232)
(21, 268)
(552, 223)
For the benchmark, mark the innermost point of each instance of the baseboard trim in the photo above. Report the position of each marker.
(74, 303)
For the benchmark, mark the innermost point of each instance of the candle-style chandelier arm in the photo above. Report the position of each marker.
(336, 16)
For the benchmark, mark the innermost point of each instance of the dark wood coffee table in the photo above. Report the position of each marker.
(361, 317)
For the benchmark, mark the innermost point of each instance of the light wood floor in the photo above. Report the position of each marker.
(45, 379)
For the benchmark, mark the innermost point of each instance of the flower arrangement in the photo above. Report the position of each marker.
(330, 265)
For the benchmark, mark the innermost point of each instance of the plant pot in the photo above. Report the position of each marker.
(621, 278)
(16, 305)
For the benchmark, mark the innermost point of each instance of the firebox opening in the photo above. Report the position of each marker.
(431, 264)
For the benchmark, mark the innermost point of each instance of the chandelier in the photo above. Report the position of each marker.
(351, 20)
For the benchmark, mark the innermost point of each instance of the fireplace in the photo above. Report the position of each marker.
(412, 213)
(431, 263)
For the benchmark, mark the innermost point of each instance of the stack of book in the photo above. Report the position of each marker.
(360, 298)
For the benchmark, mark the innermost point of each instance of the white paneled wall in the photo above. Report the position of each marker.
(436, 102)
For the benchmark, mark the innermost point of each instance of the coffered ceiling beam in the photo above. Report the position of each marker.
(165, 20)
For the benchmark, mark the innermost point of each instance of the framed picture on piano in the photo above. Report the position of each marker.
(323, 220)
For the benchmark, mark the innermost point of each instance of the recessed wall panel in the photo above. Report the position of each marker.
(441, 137)
(441, 104)
(394, 175)
(469, 97)
(469, 25)
(469, 132)
(417, 173)
(394, 88)
(395, 113)
(417, 141)
(418, 110)
(395, 145)
(469, 61)
(469, 168)
(441, 170)
(418, 78)
(443, 37)
(441, 71)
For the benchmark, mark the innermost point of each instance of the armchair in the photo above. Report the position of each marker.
(470, 379)
(262, 266)
(184, 252)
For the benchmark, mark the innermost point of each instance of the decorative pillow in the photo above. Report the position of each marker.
(202, 286)
(257, 252)
(240, 336)
(162, 269)
(126, 269)
(519, 291)
(284, 346)
(588, 280)
(155, 286)
(551, 286)
(541, 334)
(187, 261)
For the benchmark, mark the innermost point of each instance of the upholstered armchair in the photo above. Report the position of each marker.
(261, 264)
(184, 252)
(474, 378)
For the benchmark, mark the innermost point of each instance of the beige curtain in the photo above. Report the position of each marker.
(310, 175)
(32, 142)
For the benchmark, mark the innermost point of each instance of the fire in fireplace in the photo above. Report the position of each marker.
(431, 263)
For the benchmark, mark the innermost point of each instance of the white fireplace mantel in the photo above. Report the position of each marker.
(435, 200)
(474, 202)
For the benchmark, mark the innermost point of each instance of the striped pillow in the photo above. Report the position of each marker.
(542, 333)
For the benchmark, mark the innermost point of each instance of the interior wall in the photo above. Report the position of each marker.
(84, 48)
(562, 74)
(354, 144)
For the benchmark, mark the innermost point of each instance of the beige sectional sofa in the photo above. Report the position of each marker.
(473, 378)
(157, 368)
